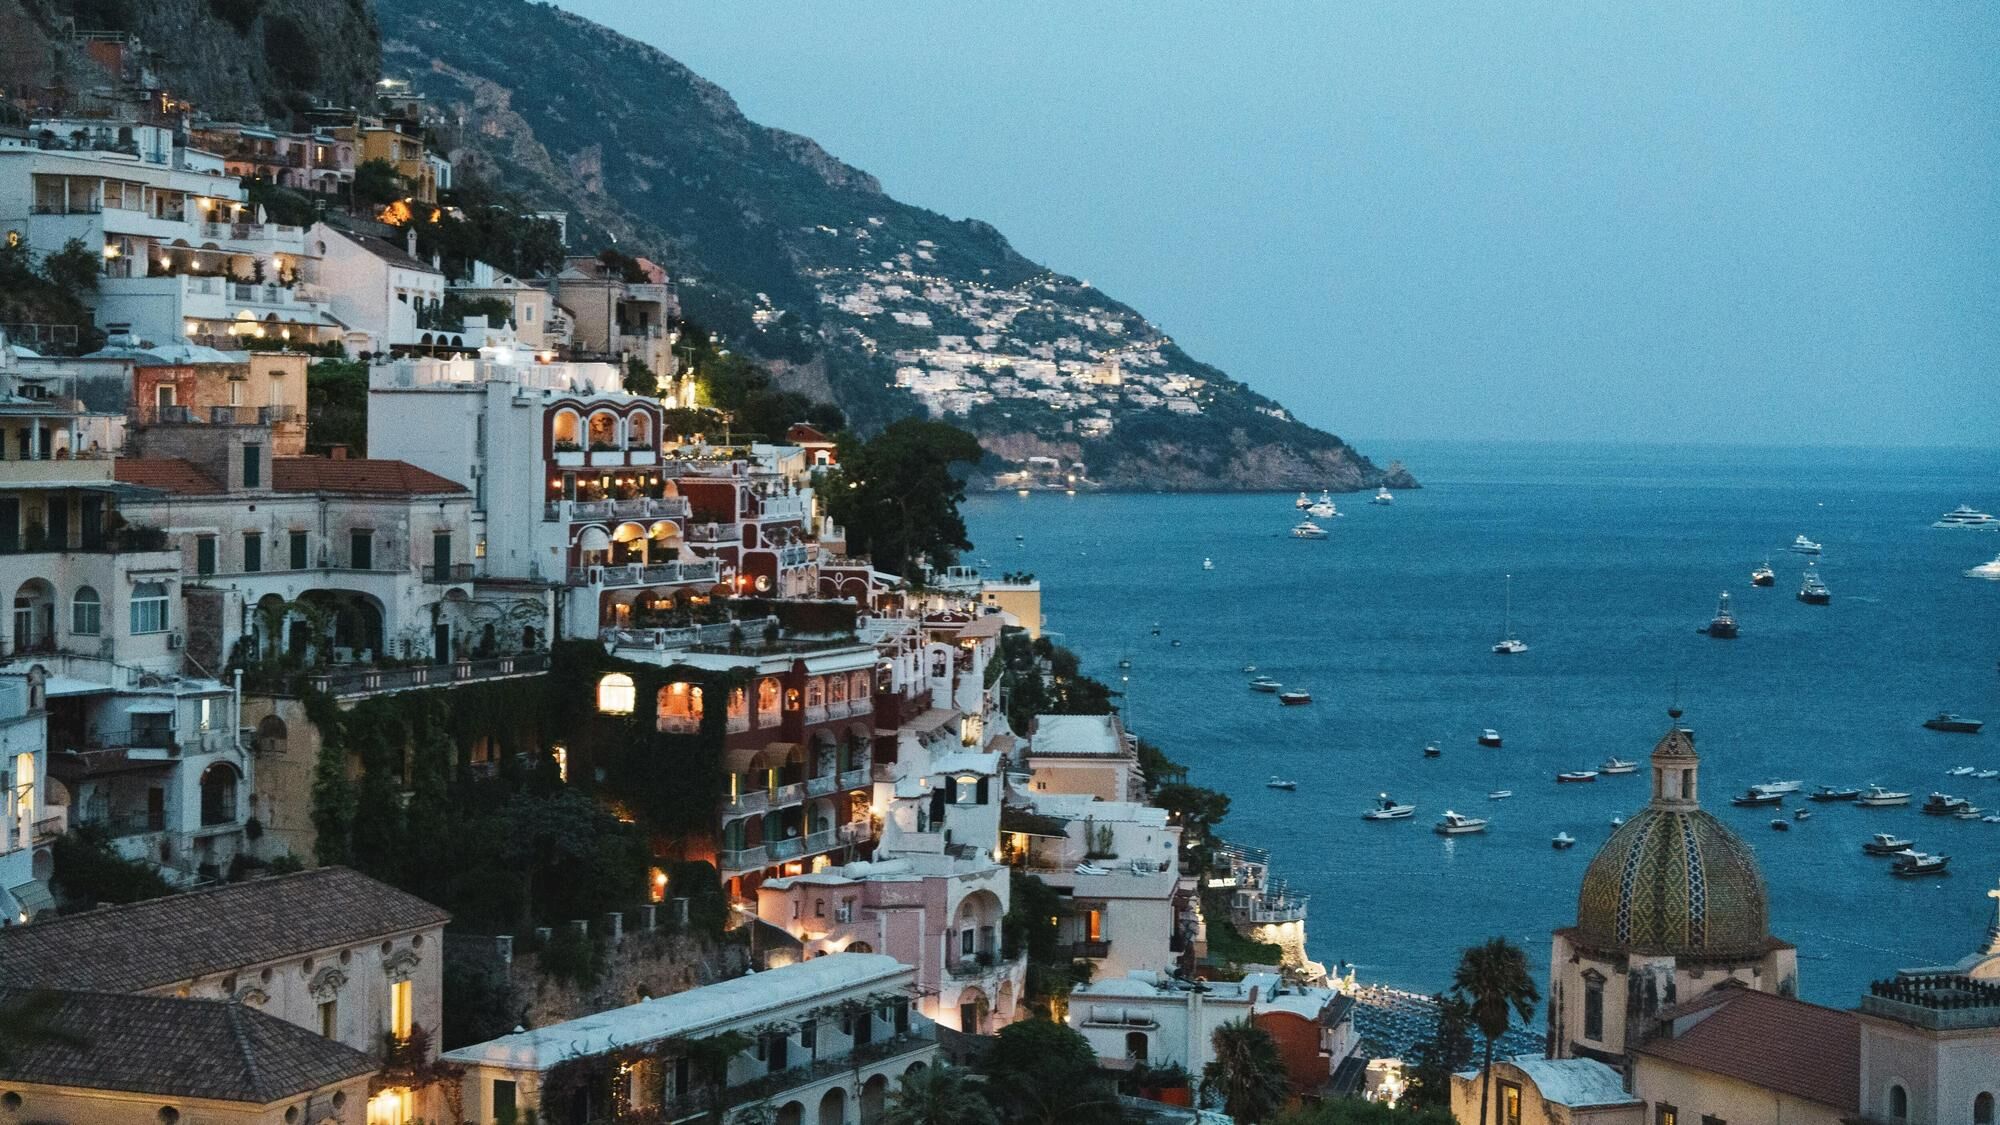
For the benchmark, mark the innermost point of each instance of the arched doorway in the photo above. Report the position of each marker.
(34, 616)
(792, 1113)
(218, 794)
(874, 1099)
(833, 1107)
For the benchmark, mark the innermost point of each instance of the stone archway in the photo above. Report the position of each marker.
(833, 1107)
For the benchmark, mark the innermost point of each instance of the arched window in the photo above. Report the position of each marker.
(1899, 1103)
(815, 692)
(218, 794)
(639, 430)
(1135, 1045)
(568, 429)
(86, 616)
(149, 607)
(679, 707)
(1982, 1109)
(858, 947)
(604, 430)
(836, 689)
(768, 694)
(616, 694)
(739, 703)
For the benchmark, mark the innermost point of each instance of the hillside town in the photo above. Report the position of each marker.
(535, 744)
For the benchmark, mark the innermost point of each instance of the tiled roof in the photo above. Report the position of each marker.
(1773, 1042)
(362, 474)
(169, 1048)
(168, 474)
(180, 937)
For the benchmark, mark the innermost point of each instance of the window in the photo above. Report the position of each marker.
(616, 694)
(505, 1107)
(253, 466)
(86, 618)
(767, 702)
(149, 608)
(204, 554)
(1135, 1045)
(1593, 1009)
(1711, 1119)
(361, 550)
(1664, 1114)
(809, 1034)
(819, 908)
(1899, 1103)
(1982, 1110)
(253, 552)
(298, 550)
(400, 1000)
(329, 1019)
(1510, 1103)
(967, 942)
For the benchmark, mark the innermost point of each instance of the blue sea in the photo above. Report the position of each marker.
(1617, 555)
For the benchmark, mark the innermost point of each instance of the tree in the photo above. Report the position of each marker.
(1046, 1073)
(74, 269)
(337, 405)
(1357, 1111)
(1436, 1059)
(1246, 1073)
(89, 871)
(1493, 982)
(376, 183)
(938, 1095)
(640, 379)
(897, 495)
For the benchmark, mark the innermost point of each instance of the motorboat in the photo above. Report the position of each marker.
(1944, 804)
(1265, 684)
(1562, 840)
(1802, 814)
(1509, 644)
(1778, 786)
(1207, 563)
(1295, 698)
(1489, 737)
(1617, 822)
(1764, 575)
(1830, 793)
(1175, 643)
(1125, 662)
(1571, 776)
(1990, 818)
(1988, 570)
(1323, 508)
(1277, 782)
(1880, 798)
(1307, 529)
(1616, 764)
(1960, 771)
(1987, 775)
(1723, 625)
(1431, 750)
(1386, 808)
(1812, 591)
(1249, 669)
(1382, 496)
(1303, 502)
(1804, 546)
(1458, 824)
(1966, 518)
(1914, 863)
(1500, 794)
(1781, 825)
(1754, 797)
(1954, 724)
(1885, 843)
(1968, 813)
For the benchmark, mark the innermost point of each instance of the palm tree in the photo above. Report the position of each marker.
(938, 1095)
(1493, 980)
(1246, 1071)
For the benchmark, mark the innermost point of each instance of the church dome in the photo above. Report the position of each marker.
(1673, 880)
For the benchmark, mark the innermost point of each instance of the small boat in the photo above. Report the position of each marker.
(1616, 764)
(1207, 563)
(1509, 644)
(1386, 808)
(1755, 797)
(1991, 818)
(1966, 518)
(1968, 813)
(1156, 628)
(1880, 798)
(1829, 793)
(1020, 537)
(1571, 776)
(1307, 529)
(1500, 794)
(1125, 662)
(1802, 814)
(1617, 822)
(1489, 737)
(1249, 669)
(1987, 570)
(1265, 684)
(1778, 786)
(1764, 575)
(1175, 643)
(1885, 843)
(1943, 804)
(1295, 698)
(1562, 840)
(1277, 782)
(1302, 503)
(1804, 546)
(1458, 824)
(1953, 724)
(1781, 825)
(1919, 863)
(1322, 508)
(1382, 496)
(1812, 591)
(1960, 771)
(1987, 775)
(1431, 750)
(1722, 626)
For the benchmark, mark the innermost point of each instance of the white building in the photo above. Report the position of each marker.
(1119, 864)
(1084, 754)
(1159, 1021)
(380, 291)
(29, 824)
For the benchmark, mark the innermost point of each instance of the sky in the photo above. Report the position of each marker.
(1765, 223)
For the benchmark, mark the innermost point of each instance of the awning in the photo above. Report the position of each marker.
(151, 706)
(745, 759)
(33, 896)
(594, 539)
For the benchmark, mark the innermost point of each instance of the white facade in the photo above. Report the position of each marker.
(1161, 1021)
(1120, 866)
(29, 824)
(377, 290)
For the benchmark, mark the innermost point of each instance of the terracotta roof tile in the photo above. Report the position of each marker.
(168, 474)
(1771, 1041)
(180, 937)
(357, 474)
(171, 1048)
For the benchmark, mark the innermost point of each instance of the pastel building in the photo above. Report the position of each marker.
(1151, 1019)
(1118, 864)
(1089, 755)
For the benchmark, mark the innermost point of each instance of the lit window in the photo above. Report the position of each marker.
(391, 1107)
(616, 694)
(400, 1000)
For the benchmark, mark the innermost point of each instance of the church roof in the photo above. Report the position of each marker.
(1769, 1041)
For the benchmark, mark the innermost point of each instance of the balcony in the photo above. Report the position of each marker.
(822, 785)
(737, 724)
(825, 841)
(772, 1086)
(680, 724)
(788, 794)
(755, 800)
(636, 574)
(856, 832)
(447, 573)
(978, 965)
(1090, 949)
(854, 778)
(741, 859)
(663, 507)
(360, 682)
(785, 849)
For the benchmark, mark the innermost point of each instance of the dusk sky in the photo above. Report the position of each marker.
(1691, 221)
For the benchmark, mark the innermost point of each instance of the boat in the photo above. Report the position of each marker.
(1249, 669)
(1802, 814)
(1968, 813)
(1880, 798)
(1500, 794)
(1307, 529)
(1829, 793)
(1764, 575)
(1885, 843)
(1207, 563)
(1562, 840)
(1989, 570)
(1960, 771)
(1722, 626)
(1616, 764)
(1576, 776)
(1987, 775)
(1322, 508)
(1804, 546)
(1431, 750)
(1175, 643)
(1966, 518)
(1458, 824)
(1943, 804)
(1125, 662)
(1617, 822)
(1489, 737)
(1382, 496)
(1386, 808)
(1953, 724)
(1777, 786)
(1811, 590)
(1295, 698)
(1509, 643)
(1755, 797)
(1277, 782)
(1302, 503)
(1781, 825)
(1265, 684)
(1919, 863)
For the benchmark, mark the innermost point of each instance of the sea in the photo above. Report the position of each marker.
(1617, 554)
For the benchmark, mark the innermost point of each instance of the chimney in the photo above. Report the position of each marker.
(410, 239)
(336, 453)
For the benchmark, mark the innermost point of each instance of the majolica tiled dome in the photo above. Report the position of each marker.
(1674, 880)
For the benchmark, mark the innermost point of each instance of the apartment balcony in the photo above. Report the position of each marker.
(1089, 949)
(447, 573)
(637, 574)
(664, 507)
(817, 714)
(53, 824)
(788, 794)
(361, 682)
(822, 785)
(298, 300)
(738, 860)
(737, 724)
(755, 800)
(781, 507)
(985, 963)
(785, 849)
(897, 1051)
(856, 832)
(854, 778)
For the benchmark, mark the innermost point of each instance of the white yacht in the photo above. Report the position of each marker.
(1509, 644)
(1208, 564)
(1879, 798)
(1302, 503)
(1990, 570)
(1307, 529)
(1769, 787)
(1804, 546)
(1616, 764)
(1322, 508)
(1966, 518)
(1383, 496)
(1386, 808)
(1458, 824)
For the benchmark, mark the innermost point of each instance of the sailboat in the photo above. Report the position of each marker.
(1509, 644)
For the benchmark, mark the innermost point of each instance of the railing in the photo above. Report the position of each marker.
(816, 714)
(448, 572)
(750, 801)
(680, 724)
(978, 965)
(784, 849)
(714, 533)
(369, 681)
(826, 841)
(788, 794)
(66, 209)
(790, 558)
(742, 859)
(767, 1087)
(737, 724)
(54, 824)
(642, 507)
(1274, 910)
(854, 778)
(128, 824)
(856, 831)
(1097, 949)
(638, 574)
(822, 785)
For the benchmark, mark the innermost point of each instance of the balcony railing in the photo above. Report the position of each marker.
(370, 681)
(856, 832)
(646, 507)
(448, 572)
(785, 849)
(1097, 949)
(816, 714)
(769, 1087)
(637, 574)
(789, 794)
(854, 778)
(752, 800)
(742, 859)
(822, 785)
